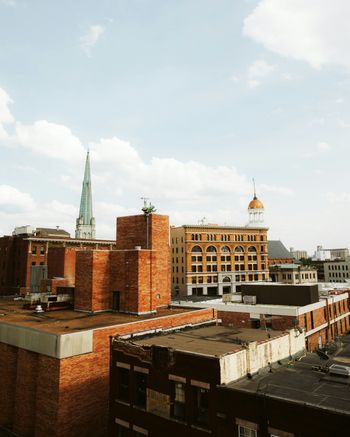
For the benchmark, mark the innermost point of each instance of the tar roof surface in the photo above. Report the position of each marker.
(65, 321)
(212, 340)
(301, 384)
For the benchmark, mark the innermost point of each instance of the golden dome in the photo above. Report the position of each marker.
(255, 204)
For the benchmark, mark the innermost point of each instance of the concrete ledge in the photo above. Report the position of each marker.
(45, 343)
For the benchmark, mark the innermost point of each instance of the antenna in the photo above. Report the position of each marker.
(254, 188)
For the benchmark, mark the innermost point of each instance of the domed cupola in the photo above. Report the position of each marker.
(256, 211)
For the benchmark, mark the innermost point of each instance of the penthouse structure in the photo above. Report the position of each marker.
(290, 273)
(209, 259)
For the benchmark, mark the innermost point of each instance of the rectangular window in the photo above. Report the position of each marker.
(246, 432)
(201, 407)
(122, 431)
(34, 250)
(123, 376)
(178, 400)
(141, 389)
(42, 250)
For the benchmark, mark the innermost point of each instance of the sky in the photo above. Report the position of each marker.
(183, 102)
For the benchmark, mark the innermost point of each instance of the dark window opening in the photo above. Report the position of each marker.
(178, 400)
(201, 397)
(123, 384)
(141, 389)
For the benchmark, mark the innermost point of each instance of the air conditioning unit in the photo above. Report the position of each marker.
(249, 300)
(227, 298)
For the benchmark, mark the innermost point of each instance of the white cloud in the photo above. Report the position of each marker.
(50, 139)
(90, 39)
(14, 201)
(162, 178)
(8, 2)
(343, 124)
(342, 197)
(259, 71)
(314, 31)
(320, 148)
(5, 114)
(275, 189)
(323, 147)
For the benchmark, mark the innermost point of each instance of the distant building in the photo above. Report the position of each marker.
(298, 254)
(293, 274)
(209, 259)
(22, 252)
(321, 254)
(278, 253)
(337, 271)
(342, 253)
(86, 226)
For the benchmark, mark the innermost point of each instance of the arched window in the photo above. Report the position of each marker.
(226, 279)
(196, 249)
(239, 249)
(225, 249)
(251, 249)
(211, 249)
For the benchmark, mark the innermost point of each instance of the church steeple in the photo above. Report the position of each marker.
(85, 227)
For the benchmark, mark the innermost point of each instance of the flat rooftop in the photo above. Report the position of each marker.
(211, 340)
(68, 321)
(301, 383)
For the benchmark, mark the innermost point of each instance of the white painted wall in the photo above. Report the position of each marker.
(258, 355)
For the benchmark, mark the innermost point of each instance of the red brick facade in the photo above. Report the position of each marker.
(19, 253)
(42, 396)
(311, 321)
(134, 278)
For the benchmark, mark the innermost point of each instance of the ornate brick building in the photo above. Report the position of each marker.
(211, 259)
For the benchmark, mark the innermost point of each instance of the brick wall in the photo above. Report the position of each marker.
(83, 281)
(61, 263)
(69, 397)
(8, 372)
(25, 397)
(237, 320)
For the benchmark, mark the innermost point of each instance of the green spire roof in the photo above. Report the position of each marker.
(86, 196)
